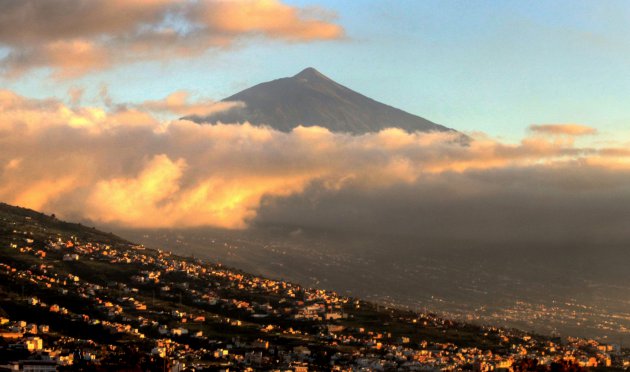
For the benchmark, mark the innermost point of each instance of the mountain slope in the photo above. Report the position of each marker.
(310, 98)
(73, 288)
(42, 226)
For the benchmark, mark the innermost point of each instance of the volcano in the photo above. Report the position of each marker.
(310, 98)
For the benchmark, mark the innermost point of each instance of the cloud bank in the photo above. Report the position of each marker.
(123, 166)
(74, 37)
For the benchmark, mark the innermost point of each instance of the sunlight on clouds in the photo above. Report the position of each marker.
(73, 38)
(269, 17)
(137, 200)
(13, 164)
(39, 193)
(155, 197)
(563, 129)
(125, 166)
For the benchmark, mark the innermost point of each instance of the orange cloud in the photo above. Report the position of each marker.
(41, 192)
(563, 129)
(131, 200)
(129, 167)
(267, 17)
(74, 37)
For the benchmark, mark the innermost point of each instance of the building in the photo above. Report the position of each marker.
(33, 366)
(34, 344)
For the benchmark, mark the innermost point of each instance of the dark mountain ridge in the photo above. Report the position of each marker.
(310, 98)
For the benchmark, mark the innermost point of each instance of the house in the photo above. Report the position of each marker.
(179, 331)
(70, 257)
(11, 335)
(34, 366)
(220, 353)
(333, 316)
(34, 344)
(31, 328)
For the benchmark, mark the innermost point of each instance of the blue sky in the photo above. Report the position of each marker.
(491, 66)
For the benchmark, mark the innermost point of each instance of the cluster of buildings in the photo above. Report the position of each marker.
(72, 303)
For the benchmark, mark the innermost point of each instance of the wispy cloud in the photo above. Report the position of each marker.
(563, 129)
(180, 103)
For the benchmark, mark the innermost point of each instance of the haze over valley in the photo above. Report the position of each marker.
(562, 289)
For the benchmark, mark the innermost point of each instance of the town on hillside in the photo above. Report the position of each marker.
(75, 299)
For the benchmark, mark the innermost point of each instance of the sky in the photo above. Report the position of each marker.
(92, 91)
(488, 66)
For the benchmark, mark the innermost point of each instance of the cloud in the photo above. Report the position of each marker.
(179, 103)
(563, 129)
(75, 94)
(125, 166)
(74, 37)
(564, 203)
(104, 95)
(268, 17)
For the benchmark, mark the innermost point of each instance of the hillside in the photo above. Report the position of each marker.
(41, 226)
(83, 299)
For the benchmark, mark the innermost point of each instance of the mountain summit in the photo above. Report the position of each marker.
(310, 98)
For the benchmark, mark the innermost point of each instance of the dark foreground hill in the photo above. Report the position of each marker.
(79, 299)
(310, 98)
(42, 226)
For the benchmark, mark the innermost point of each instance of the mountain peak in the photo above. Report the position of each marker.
(310, 98)
(310, 73)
